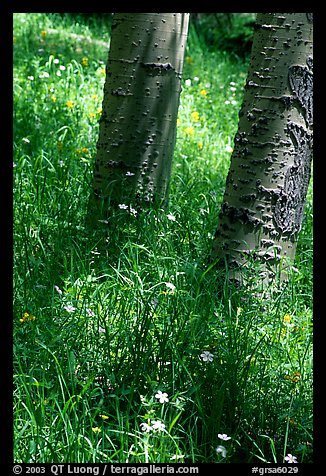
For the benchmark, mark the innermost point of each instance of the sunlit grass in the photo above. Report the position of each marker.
(105, 319)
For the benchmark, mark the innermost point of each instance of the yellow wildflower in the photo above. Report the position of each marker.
(44, 33)
(200, 145)
(104, 417)
(294, 377)
(203, 92)
(53, 98)
(91, 115)
(195, 116)
(287, 318)
(83, 150)
(96, 429)
(27, 317)
(94, 96)
(84, 61)
(70, 104)
(189, 131)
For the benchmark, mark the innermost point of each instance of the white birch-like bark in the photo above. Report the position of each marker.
(266, 187)
(141, 98)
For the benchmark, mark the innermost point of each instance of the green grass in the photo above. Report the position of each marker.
(114, 314)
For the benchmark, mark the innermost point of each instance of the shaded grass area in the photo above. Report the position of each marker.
(105, 318)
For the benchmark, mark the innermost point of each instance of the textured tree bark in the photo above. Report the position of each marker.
(266, 187)
(141, 98)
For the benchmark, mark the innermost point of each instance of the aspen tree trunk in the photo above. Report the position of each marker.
(141, 98)
(266, 187)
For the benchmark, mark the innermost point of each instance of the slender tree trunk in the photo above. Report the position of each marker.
(141, 98)
(270, 167)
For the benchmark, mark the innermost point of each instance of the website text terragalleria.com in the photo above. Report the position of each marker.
(57, 469)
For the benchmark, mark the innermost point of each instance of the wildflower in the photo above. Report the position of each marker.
(96, 429)
(31, 78)
(203, 92)
(188, 82)
(287, 318)
(233, 102)
(294, 377)
(196, 79)
(70, 308)
(170, 217)
(94, 96)
(27, 317)
(207, 356)
(129, 174)
(89, 312)
(133, 211)
(200, 145)
(232, 83)
(189, 131)
(162, 396)
(101, 329)
(92, 115)
(290, 458)
(195, 116)
(104, 417)
(61, 163)
(56, 61)
(228, 148)
(70, 104)
(232, 88)
(44, 33)
(44, 74)
(53, 98)
(157, 425)
(57, 289)
(84, 61)
(62, 67)
(221, 450)
(14, 164)
(170, 286)
(145, 427)
(123, 206)
(224, 436)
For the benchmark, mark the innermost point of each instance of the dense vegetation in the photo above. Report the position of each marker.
(127, 346)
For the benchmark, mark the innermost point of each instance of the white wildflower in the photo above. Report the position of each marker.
(157, 425)
(223, 436)
(221, 450)
(162, 396)
(145, 427)
(170, 217)
(207, 356)
(290, 458)
(170, 286)
(70, 308)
